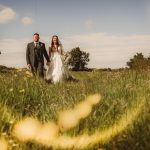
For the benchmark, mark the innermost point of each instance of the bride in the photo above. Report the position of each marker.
(56, 71)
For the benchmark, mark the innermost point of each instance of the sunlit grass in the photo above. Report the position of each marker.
(3, 144)
(121, 114)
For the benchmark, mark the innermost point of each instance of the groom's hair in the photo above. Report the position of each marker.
(35, 34)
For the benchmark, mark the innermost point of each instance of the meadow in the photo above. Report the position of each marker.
(120, 121)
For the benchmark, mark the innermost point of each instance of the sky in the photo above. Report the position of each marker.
(112, 31)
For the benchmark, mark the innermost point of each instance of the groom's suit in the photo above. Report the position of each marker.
(35, 54)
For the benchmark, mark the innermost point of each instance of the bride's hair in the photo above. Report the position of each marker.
(52, 43)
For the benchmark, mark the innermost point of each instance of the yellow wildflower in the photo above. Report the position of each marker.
(29, 74)
(22, 91)
(11, 90)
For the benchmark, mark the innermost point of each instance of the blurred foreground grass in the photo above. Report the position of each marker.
(24, 96)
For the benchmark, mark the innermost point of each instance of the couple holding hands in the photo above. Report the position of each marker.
(56, 69)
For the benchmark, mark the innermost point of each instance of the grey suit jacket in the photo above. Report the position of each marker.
(30, 53)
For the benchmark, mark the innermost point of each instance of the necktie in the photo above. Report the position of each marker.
(36, 44)
(36, 53)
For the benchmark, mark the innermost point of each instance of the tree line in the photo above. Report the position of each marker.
(77, 60)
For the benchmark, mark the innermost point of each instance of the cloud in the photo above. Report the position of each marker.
(27, 20)
(6, 14)
(89, 24)
(106, 50)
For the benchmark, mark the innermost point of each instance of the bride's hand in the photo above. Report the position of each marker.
(48, 63)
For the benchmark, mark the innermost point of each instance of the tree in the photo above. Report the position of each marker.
(77, 59)
(139, 62)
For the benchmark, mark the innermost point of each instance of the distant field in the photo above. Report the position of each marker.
(120, 121)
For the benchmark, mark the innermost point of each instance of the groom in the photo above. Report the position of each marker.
(35, 54)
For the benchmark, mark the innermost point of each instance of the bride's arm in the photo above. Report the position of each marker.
(62, 51)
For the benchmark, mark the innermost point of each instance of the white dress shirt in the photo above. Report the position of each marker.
(36, 43)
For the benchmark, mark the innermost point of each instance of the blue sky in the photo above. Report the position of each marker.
(126, 23)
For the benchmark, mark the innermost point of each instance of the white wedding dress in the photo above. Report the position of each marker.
(57, 71)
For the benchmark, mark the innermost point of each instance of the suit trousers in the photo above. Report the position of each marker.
(38, 69)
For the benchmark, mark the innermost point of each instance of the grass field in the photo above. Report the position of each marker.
(120, 121)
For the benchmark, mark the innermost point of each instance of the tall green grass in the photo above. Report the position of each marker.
(22, 96)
